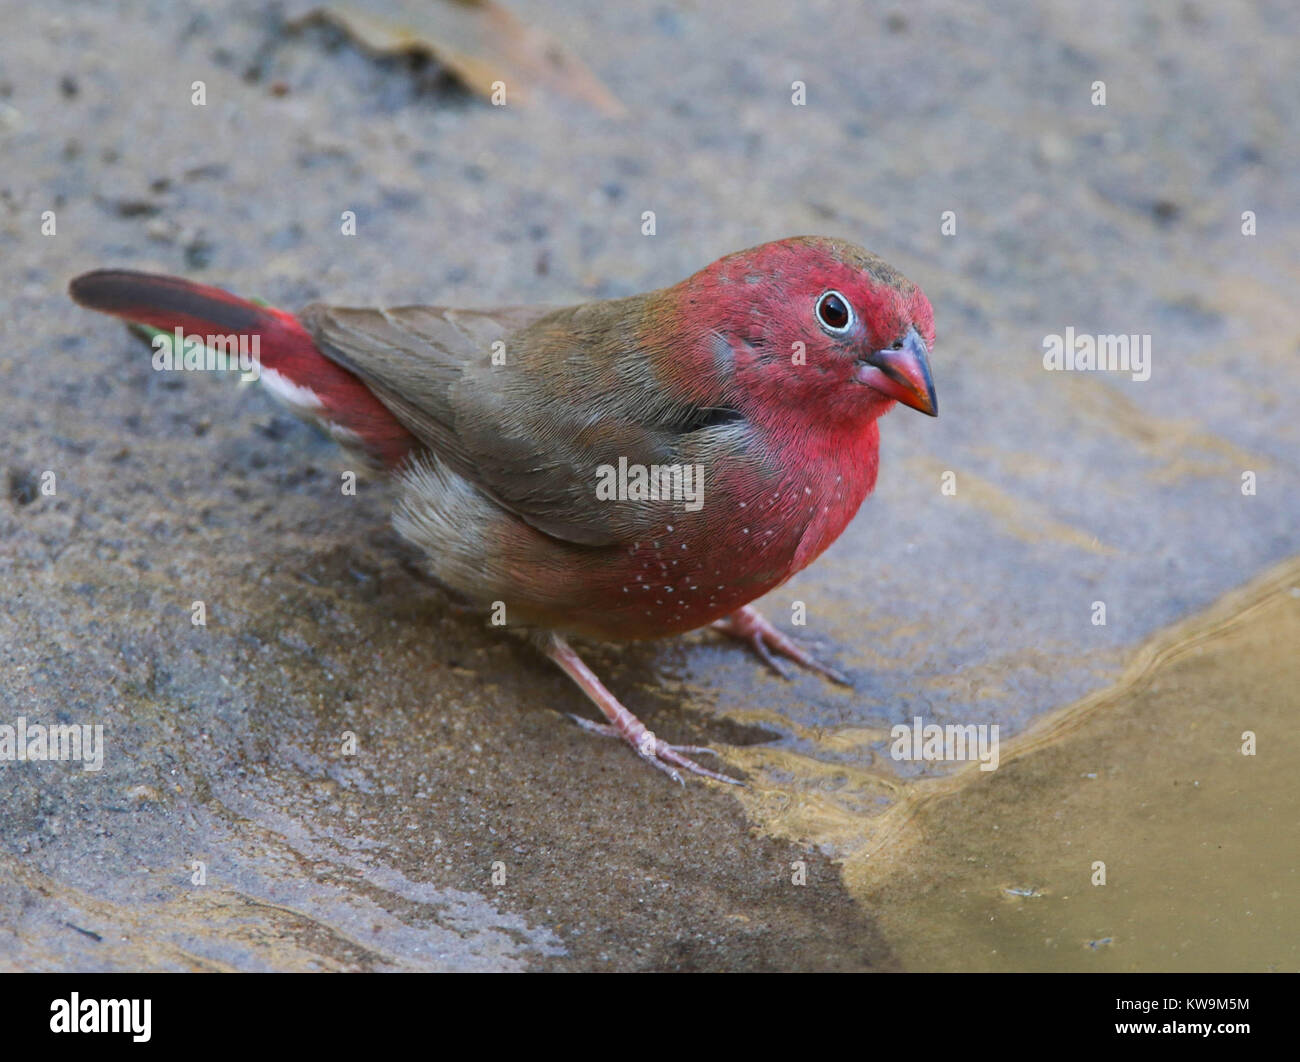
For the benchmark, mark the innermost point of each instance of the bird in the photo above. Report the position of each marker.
(615, 470)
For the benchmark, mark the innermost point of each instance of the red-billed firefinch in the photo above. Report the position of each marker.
(623, 469)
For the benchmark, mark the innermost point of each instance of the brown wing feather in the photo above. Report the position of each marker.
(572, 395)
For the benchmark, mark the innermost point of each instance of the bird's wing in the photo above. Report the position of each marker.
(532, 406)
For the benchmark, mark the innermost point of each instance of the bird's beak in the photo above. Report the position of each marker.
(902, 374)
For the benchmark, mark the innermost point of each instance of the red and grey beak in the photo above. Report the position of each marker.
(902, 374)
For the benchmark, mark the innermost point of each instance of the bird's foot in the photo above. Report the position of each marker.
(748, 624)
(623, 724)
(656, 752)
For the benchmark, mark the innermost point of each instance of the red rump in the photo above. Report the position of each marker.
(287, 348)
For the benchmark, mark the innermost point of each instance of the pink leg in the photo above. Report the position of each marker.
(748, 624)
(624, 724)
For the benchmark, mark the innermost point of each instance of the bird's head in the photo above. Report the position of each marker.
(814, 327)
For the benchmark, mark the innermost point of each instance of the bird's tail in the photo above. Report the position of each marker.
(290, 363)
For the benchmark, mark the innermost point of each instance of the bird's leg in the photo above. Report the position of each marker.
(623, 724)
(748, 624)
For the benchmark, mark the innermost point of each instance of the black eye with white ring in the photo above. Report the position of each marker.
(834, 312)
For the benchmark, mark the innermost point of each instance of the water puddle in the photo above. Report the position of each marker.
(1145, 785)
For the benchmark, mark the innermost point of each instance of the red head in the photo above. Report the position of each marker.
(811, 328)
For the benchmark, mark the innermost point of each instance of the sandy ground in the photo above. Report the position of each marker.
(223, 742)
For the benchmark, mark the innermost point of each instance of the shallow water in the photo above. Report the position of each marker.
(1200, 843)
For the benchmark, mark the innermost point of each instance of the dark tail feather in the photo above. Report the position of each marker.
(321, 389)
(167, 302)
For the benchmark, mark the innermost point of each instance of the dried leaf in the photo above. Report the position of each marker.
(479, 41)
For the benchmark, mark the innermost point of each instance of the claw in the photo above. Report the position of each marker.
(604, 729)
(748, 624)
(765, 654)
(664, 756)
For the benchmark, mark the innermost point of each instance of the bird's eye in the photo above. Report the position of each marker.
(897, 344)
(834, 312)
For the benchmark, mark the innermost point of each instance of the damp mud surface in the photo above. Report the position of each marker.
(338, 771)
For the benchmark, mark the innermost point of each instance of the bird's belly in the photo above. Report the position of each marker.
(693, 568)
(667, 586)
(688, 573)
